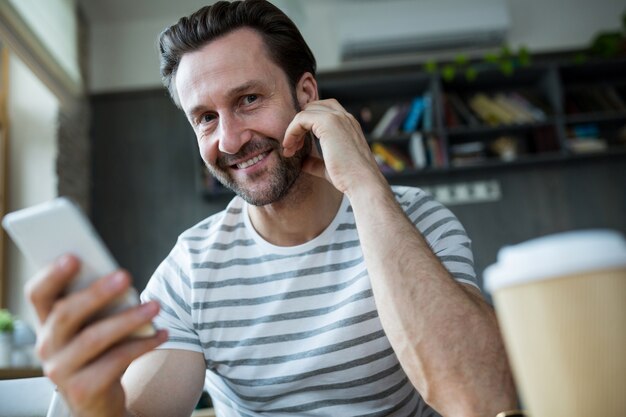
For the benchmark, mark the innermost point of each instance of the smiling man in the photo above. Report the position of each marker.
(320, 290)
(239, 106)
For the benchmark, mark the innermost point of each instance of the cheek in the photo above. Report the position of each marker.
(280, 124)
(209, 150)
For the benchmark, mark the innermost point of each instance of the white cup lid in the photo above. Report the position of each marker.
(555, 256)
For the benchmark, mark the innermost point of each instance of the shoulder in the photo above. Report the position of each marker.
(405, 193)
(413, 199)
(434, 220)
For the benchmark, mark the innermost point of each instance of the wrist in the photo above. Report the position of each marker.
(367, 188)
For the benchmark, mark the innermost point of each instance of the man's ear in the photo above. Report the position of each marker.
(306, 89)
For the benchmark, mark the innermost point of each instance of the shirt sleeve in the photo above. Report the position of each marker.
(171, 286)
(444, 233)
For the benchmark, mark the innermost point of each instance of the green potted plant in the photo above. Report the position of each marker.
(7, 322)
(506, 60)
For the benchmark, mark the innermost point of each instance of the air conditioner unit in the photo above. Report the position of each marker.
(369, 29)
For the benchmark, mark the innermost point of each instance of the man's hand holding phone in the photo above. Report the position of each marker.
(86, 362)
(91, 326)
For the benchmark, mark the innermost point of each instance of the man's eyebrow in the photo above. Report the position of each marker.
(233, 92)
(247, 86)
(200, 108)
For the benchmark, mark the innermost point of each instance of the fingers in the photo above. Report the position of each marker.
(101, 338)
(71, 313)
(329, 103)
(114, 363)
(47, 286)
(318, 117)
(86, 359)
(95, 381)
(295, 134)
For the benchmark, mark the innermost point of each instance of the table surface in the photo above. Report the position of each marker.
(15, 373)
(205, 412)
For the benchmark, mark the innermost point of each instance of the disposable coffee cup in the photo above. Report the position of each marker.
(561, 304)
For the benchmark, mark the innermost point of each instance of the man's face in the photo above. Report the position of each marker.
(240, 103)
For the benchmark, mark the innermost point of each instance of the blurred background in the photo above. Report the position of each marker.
(83, 114)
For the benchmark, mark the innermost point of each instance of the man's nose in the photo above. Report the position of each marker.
(233, 134)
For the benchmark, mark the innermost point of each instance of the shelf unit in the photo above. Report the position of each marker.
(549, 87)
(548, 84)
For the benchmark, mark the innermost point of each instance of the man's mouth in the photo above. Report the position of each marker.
(252, 161)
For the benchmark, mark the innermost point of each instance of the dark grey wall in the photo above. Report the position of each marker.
(540, 199)
(145, 171)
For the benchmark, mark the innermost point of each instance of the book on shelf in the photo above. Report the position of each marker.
(469, 153)
(508, 108)
(405, 117)
(417, 150)
(587, 145)
(519, 112)
(450, 117)
(390, 157)
(390, 122)
(545, 140)
(384, 121)
(525, 104)
(613, 96)
(435, 151)
(415, 113)
(488, 111)
(426, 150)
(427, 116)
(585, 138)
(590, 99)
(457, 104)
(584, 130)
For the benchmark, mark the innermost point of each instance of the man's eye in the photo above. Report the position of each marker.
(207, 117)
(250, 98)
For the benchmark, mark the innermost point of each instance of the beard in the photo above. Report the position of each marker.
(281, 177)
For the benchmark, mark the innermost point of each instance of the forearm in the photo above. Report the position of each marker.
(164, 383)
(445, 337)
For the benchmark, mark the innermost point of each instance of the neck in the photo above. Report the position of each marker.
(303, 214)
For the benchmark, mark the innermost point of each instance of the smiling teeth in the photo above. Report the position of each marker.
(250, 162)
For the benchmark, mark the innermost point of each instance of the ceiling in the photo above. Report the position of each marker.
(99, 11)
(109, 11)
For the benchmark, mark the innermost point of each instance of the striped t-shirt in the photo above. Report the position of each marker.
(294, 330)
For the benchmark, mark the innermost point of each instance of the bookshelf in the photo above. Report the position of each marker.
(594, 105)
(550, 112)
(495, 120)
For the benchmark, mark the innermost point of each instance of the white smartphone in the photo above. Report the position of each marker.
(46, 231)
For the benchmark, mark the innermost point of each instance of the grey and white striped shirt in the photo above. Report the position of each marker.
(294, 330)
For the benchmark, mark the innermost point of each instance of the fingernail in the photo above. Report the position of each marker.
(149, 309)
(116, 281)
(64, 262)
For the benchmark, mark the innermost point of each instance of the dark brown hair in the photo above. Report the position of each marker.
(285, 45)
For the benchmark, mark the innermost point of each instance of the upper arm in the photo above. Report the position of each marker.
(164, 383)
(473, 291)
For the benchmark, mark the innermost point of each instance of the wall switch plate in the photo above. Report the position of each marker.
(466, 192)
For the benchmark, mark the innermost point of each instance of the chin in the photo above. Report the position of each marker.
(281, 179)
(276, 192)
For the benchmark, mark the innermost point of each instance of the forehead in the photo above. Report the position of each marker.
(224, 64)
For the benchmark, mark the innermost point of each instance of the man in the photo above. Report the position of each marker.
(316, 292)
